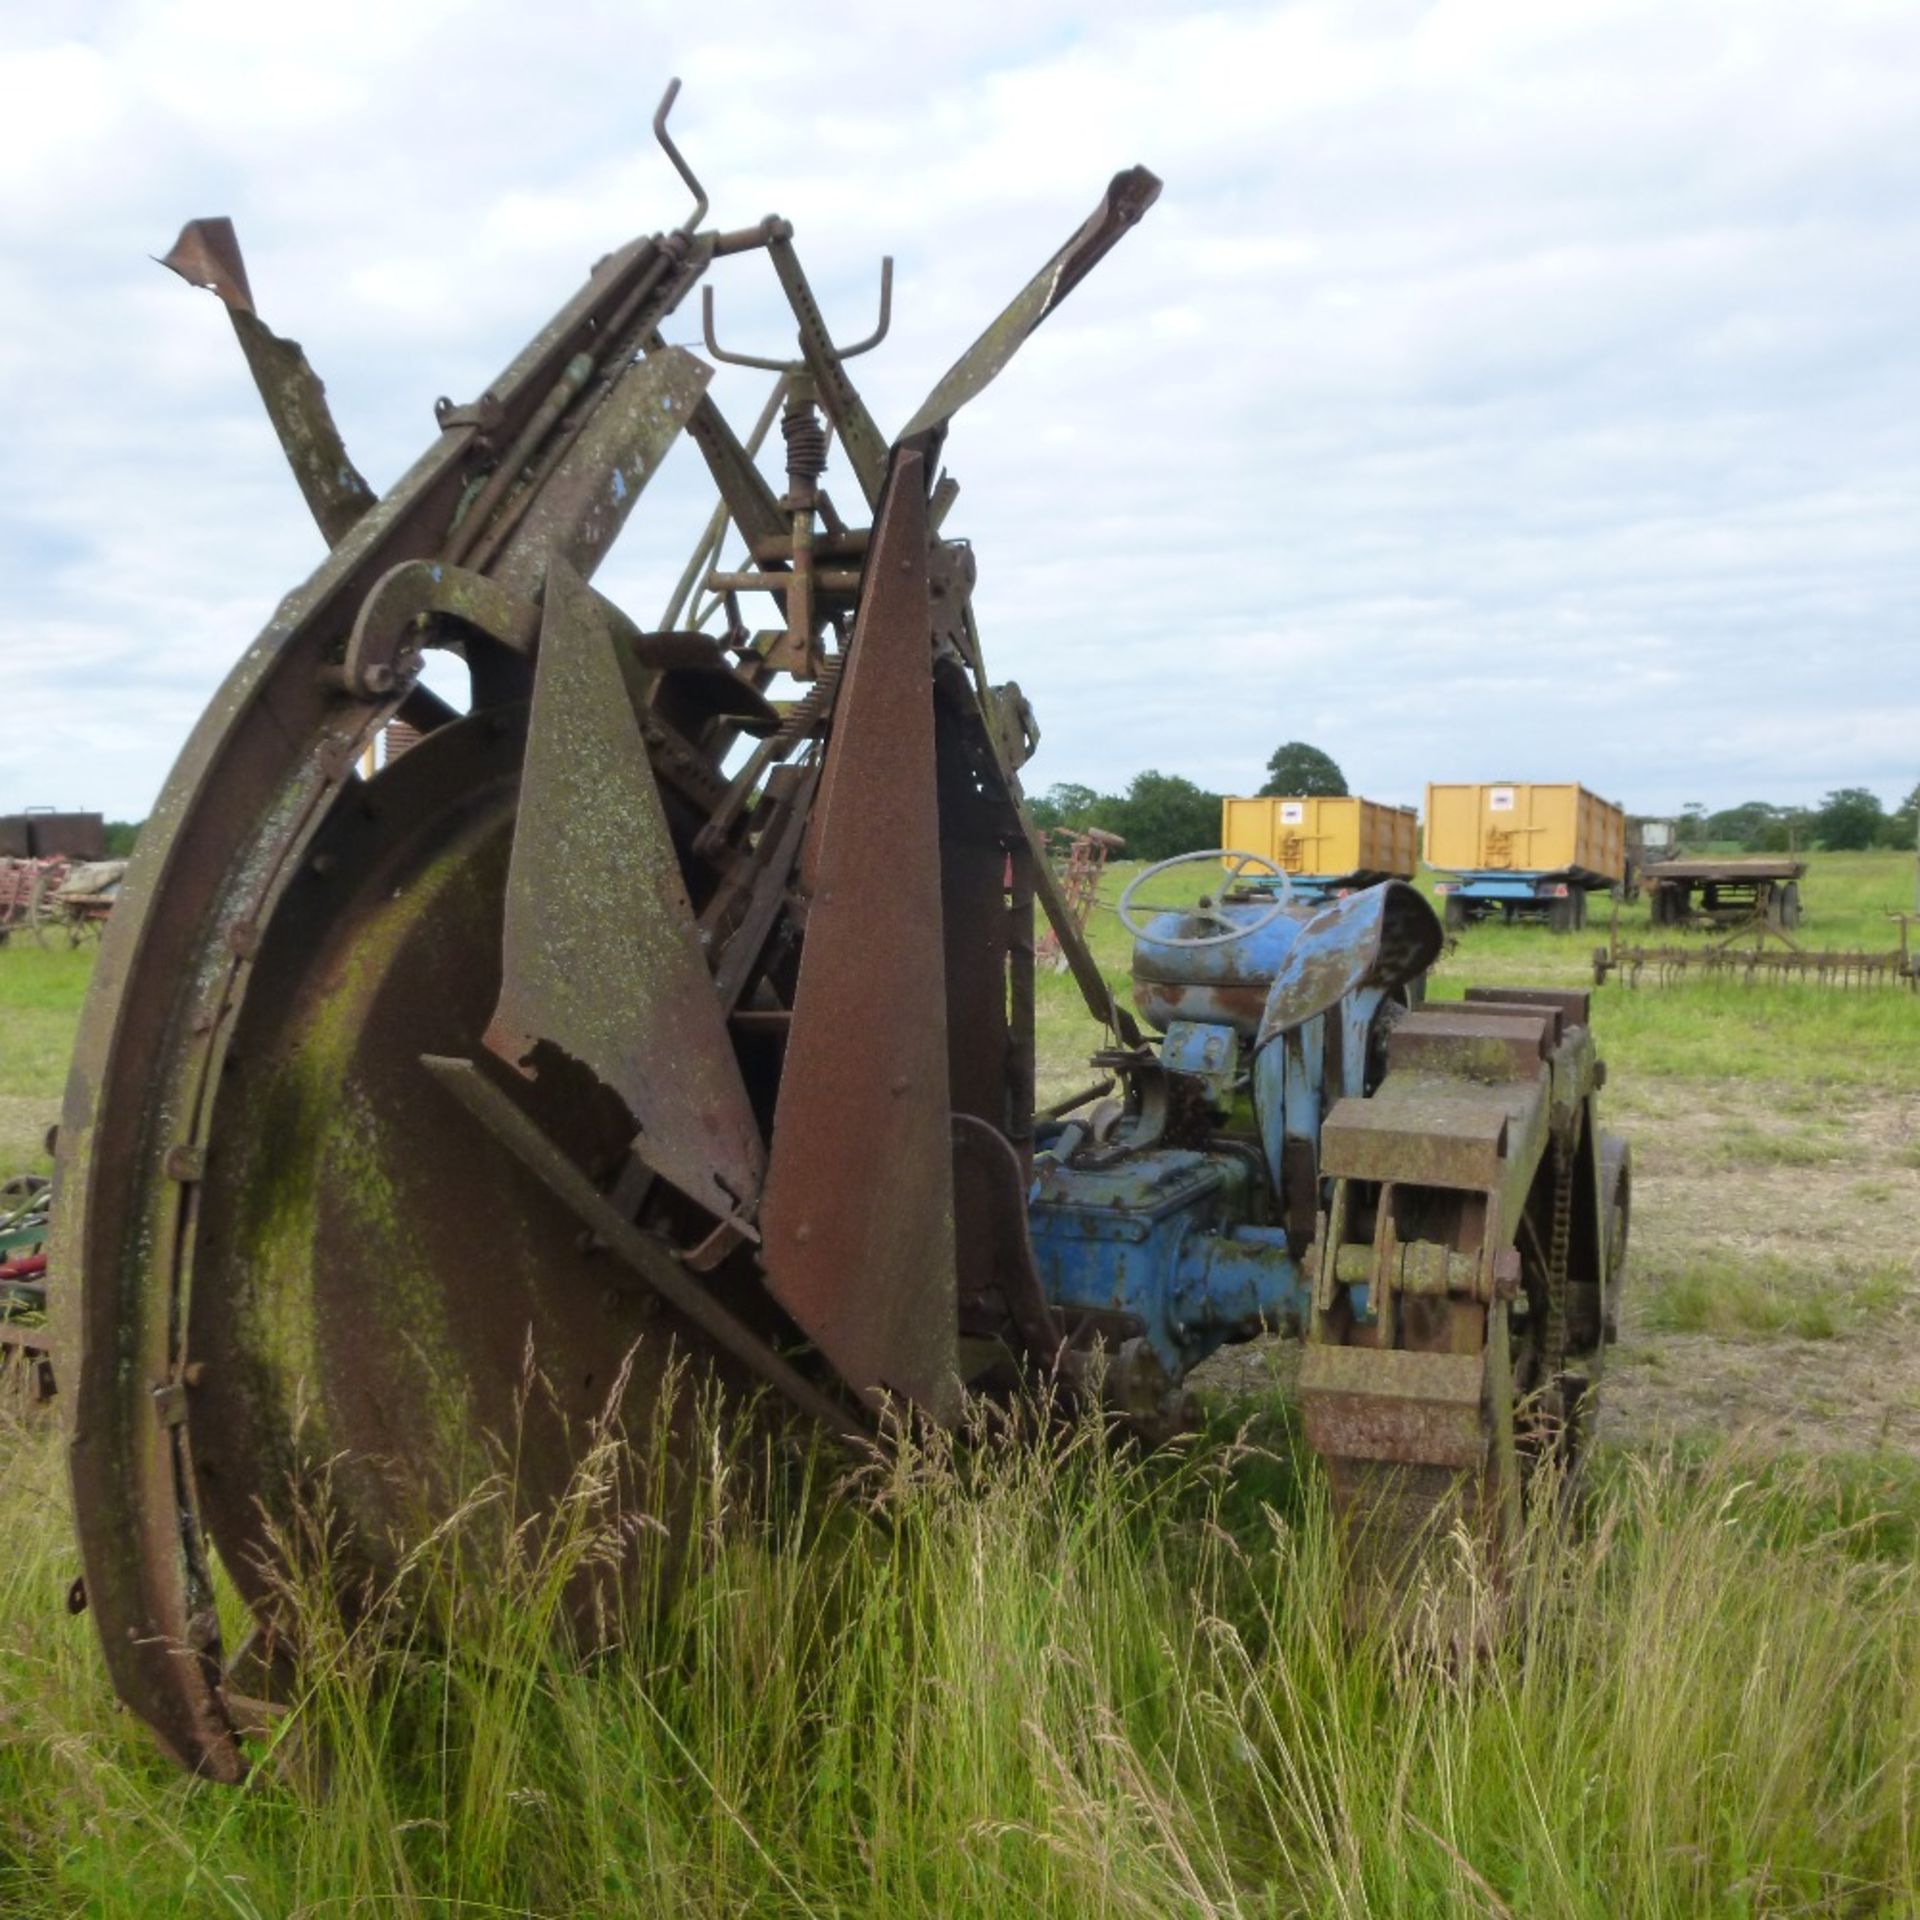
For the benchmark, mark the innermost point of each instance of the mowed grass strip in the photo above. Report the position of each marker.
(1731, 1293)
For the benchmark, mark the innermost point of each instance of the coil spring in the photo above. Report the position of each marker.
(806, 437)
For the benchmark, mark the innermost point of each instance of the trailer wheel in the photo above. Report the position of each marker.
(1790, 906)
(1456, 916)
(1561, 914)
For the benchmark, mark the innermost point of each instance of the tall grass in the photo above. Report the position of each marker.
(1020, 1675)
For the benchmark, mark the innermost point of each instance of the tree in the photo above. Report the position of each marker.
(1902, 823)
(1849, 819)
(1162, 814)
(1743, 825)
(121, 835)
(1791, 830)
(1067, 804)
(1298, 769)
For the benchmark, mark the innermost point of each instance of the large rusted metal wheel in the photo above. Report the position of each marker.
(373, 1275)
(286, 1246)
(418, 1121)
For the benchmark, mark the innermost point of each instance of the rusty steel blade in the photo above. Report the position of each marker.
(601, 954)
(858, 1222)
(207, 254)
(1127, 197)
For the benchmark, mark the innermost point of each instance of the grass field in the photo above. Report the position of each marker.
(1069, 1680)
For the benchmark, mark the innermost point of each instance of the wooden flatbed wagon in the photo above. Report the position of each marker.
(1725, 891)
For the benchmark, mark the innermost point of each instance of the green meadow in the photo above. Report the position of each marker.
(1012, 1675)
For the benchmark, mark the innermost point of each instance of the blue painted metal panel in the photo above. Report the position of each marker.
(1205, 1051)
(1509, 886)
(1179, 1239)
(1252, 960)
(1383, 937)
(1162, 1235)
(1224, 982)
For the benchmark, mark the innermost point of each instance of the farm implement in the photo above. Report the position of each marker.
(1729, 893)
(50, 863)
(27, 887)
(670, 1004)
(1760, 950)
(1079, 858)
(24, 1341)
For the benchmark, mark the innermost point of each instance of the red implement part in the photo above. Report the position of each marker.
(858, 1215)
(1079, 860)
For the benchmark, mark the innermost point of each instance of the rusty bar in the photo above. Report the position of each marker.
(207, 254)
(707, 548)
(827, 579)
(1020, 1007)
(501, 1118)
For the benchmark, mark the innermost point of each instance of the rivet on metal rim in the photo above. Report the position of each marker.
(185, 1162)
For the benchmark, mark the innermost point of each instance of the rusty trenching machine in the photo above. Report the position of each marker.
(675, 996)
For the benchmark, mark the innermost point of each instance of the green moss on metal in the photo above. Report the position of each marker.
(315, 1141)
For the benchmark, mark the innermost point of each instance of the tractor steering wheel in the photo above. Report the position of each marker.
(1204, 909)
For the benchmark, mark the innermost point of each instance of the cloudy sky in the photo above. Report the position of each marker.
(1499, 390)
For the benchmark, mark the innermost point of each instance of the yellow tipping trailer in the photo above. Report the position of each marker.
(1324, 843)
(1523, 848)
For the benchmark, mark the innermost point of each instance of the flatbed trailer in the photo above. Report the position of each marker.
(1560, 899)
(1725, 891)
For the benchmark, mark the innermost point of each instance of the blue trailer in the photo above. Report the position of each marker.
(1560, 899)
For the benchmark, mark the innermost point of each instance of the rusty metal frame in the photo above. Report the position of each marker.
(474, 550)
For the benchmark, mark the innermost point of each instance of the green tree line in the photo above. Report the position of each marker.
(1161, 814)
(1849, 819)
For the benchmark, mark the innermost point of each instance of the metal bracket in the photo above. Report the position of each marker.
(727, 357)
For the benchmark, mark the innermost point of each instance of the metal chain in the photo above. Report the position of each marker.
(1559, 1248)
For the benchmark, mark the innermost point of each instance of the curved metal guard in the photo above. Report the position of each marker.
(1380, 938)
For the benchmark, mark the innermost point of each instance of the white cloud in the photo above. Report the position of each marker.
(1496, 387)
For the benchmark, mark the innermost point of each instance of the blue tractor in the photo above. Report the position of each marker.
(1423, 1192)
